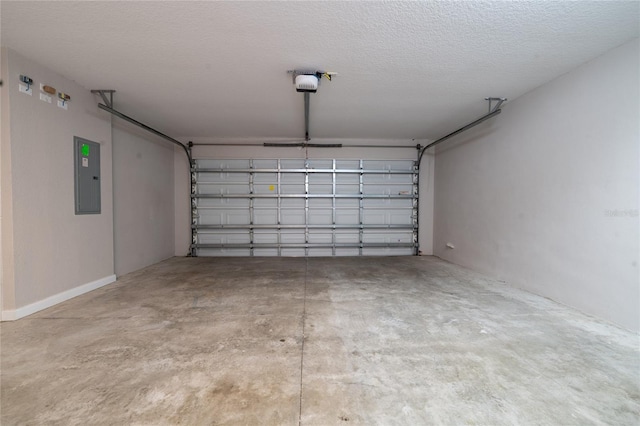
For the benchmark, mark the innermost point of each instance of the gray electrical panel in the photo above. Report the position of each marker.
(87, 176)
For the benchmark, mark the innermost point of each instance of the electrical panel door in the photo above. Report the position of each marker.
(87, 176)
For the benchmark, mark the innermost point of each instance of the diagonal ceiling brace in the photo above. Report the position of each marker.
(495, 108)
(103, 94)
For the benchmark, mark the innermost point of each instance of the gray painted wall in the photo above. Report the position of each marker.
(143, 198)
(51, 250)
(545, 196)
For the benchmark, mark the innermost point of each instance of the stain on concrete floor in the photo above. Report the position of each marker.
(318, 341)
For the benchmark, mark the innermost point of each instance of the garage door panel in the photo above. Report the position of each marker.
(346, 189)
(292, 178)
(291, 188)
(264, 188)
(320, 189)
(320, 163)
(265, 203)
(316, 237)
(321, 178)
(223, 164)
(386, 237)
(265, 163)
(225, 236)
(223, 203)
(403, 189)
(296, 207)
(286, 203)
(292, 236)
(261, 236)
(320, 203)
(222, 177)
(345, 203)
(386, 180)
(348, 179)
(320, 252)
(292, 163)
(347, 164)
(265, 217)
(224, 217)
(386, 203)
(387, 164)
(321, 217)
(292, 216)
(348, 237)
(387, 217)
(348, 217)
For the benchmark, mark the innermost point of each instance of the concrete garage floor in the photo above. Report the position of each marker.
(388, 341)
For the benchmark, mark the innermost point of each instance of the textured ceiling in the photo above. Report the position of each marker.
(407, 69)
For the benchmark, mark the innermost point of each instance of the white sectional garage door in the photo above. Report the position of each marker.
(304, 207)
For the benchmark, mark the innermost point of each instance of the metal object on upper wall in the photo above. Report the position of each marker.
(108, 101)
(26, 80)
(499, 102)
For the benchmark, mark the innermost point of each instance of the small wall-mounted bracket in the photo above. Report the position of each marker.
(63, 99)
(26, 80)
(318, 73)
(495, 108)
(25, 86)
(108, 101)
(295, 73)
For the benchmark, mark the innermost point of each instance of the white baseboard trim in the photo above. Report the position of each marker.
(14, 314)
